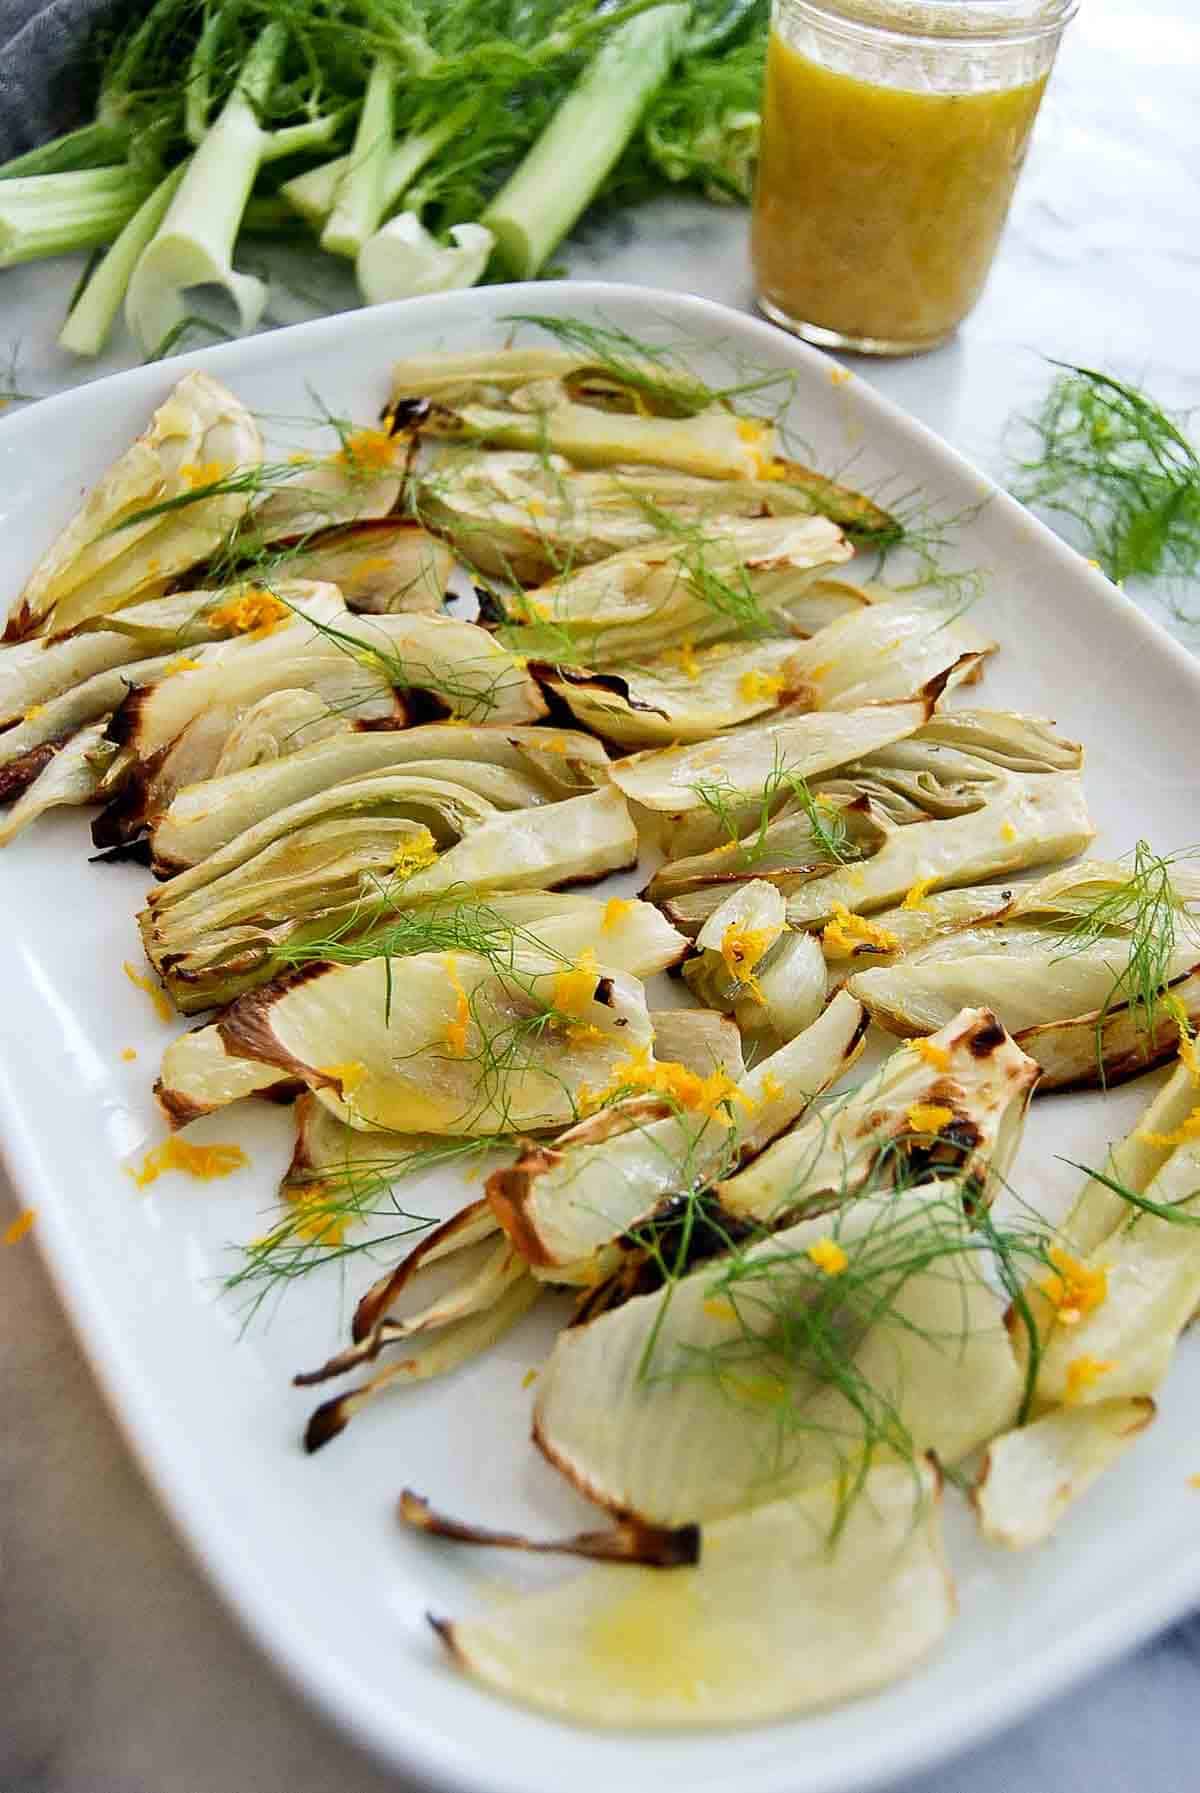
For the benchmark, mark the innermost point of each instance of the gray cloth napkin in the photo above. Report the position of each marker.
(39, 93)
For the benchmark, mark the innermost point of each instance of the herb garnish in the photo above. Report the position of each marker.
(1149, 911)
(1116, 464)
(727, 804)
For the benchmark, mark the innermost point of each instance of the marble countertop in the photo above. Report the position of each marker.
(119, 1670)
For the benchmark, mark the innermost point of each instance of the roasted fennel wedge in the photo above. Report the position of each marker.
(885, 654)
(381, 567)
(1122, 1342)
(550, 402)
(951, 1104)
(770, 977)
(775, 1619)
(528, 517)
(954, 764)
(684, 694)
(174, 732)
(462, 1042)
(741, 577)
(345, 864)
(1122, 1282)
(671, 782)
(47, 667)
(473, 1267)
(65, 781)
(1071, 969)
(205, 817)
(786, 1363)
(121, 546)
(1008, 821)
(573, 1208)
(1031, 1476)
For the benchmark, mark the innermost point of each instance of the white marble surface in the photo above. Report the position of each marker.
(119, 1671)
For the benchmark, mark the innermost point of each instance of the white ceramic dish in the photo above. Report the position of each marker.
(307, 1551)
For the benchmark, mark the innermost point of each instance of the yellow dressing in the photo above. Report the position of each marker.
(655, 1638)
(878, 209)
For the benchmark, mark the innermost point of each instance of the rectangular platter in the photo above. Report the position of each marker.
(308, 1551)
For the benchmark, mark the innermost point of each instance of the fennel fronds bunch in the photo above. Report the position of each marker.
(428, 142)
(1119, 467)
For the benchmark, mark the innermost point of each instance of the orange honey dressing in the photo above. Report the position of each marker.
(878, 209)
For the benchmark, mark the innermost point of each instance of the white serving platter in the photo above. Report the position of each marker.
(307, 1550)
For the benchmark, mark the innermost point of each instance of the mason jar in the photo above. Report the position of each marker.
(893, 134)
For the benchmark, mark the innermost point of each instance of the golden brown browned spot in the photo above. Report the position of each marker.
(445, 1630)
(399, 718)
(179, 1109)
(330, 1418)
(597, 681)
(131, 810)
(598, 1496)
(508, 1192)
(380, 1296)
(283, 1092)
(985, 1039)
(933, 688)
(629, 1541)
(20, 773)
(245, 1027)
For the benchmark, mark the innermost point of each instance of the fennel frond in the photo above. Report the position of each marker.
(1119, 468)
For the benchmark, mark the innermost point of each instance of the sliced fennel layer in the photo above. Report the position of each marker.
(775, 1619)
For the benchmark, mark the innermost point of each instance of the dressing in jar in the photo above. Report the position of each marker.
(893, 134)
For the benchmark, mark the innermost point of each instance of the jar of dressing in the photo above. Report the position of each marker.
(893, 134)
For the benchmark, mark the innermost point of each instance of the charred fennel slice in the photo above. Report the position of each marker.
(626, 1200)
(366, 810)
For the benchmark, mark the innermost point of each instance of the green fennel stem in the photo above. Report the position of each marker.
(314, 193)
(97, 145)
(558, 178)
(52, 214)
(91, 317)
(194, 244)
(362, 192)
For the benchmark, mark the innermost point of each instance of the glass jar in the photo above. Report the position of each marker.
(893, 134)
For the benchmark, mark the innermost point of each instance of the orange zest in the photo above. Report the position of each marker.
(1187, 1130)
(414, 854)
(914, 896)
(251, 612)
(757, 687)
(575, 987)
(162, 1006)
(198, 474)
(742, 948)
(1074, 1288)
(349, 1075)
(371, 451)
(1083, 1373)
(937, 1057)
(204, 1162)
(928, 1117)
(16, 1229)
(684, 656)
(615, 911)
(639, 1074)
(828, 1257)
(848, 934)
